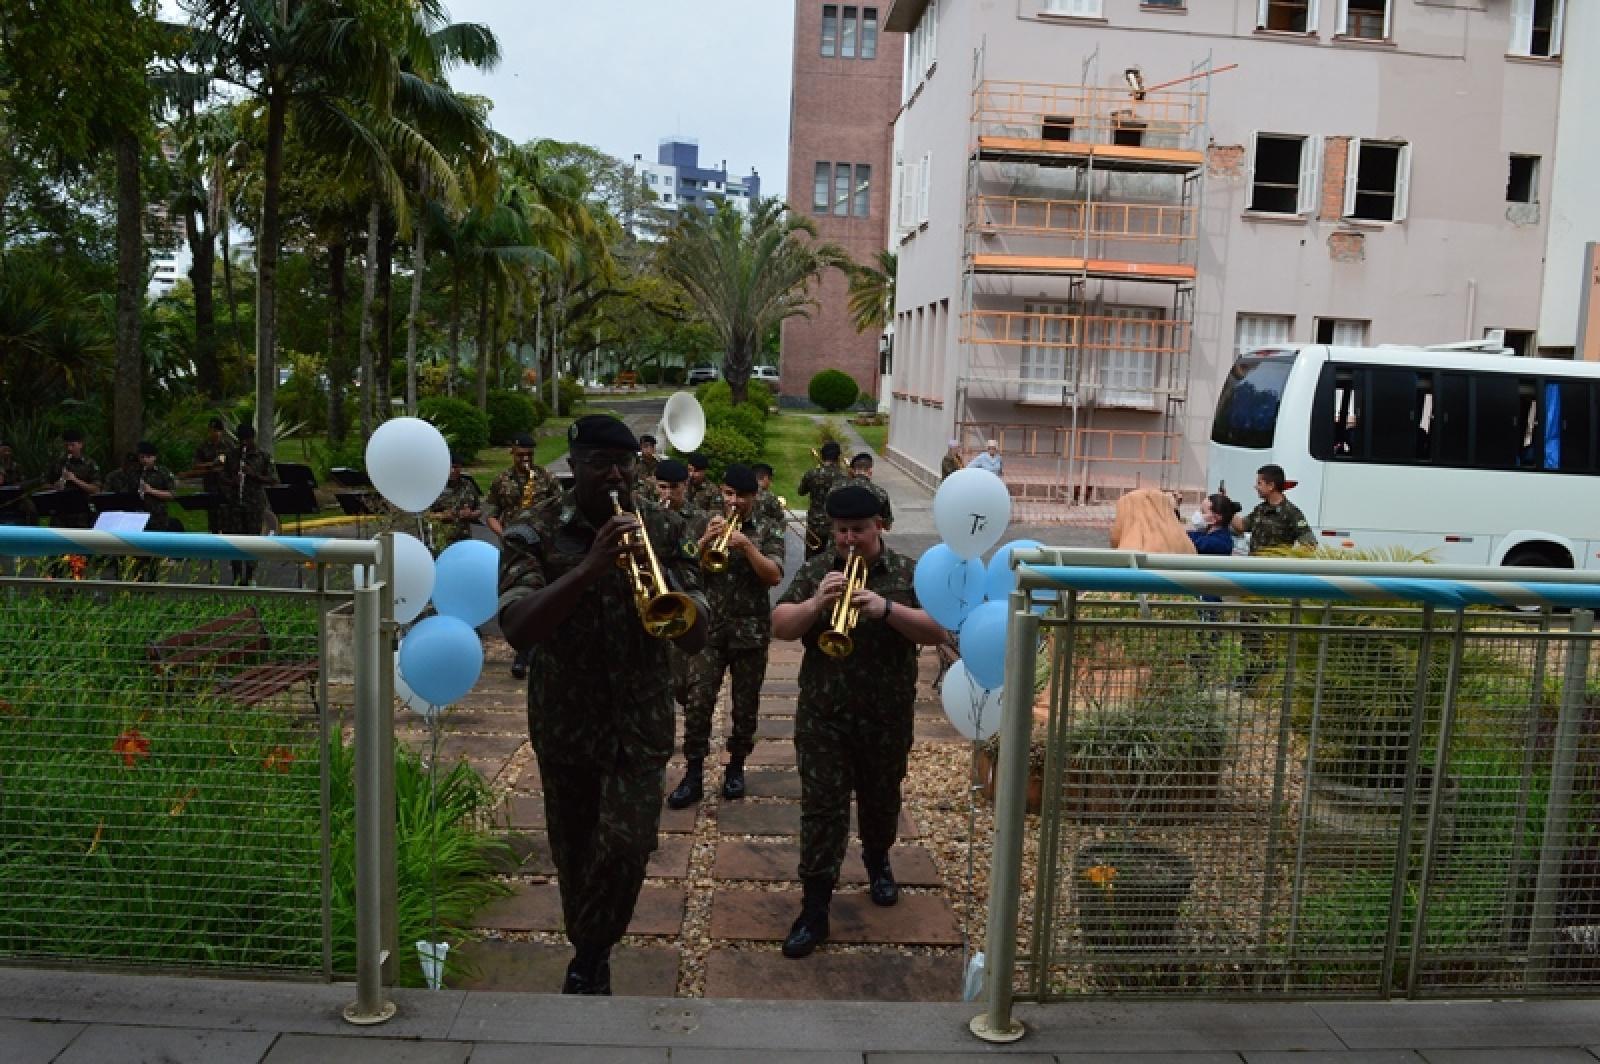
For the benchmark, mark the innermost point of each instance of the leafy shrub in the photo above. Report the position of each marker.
(830, 431)
(465, 427)
(833, 390)
(303, 398)
(741, 419)
(569, 396)
(724, 446)
(324, 455)
(511, 413)
(757, 395)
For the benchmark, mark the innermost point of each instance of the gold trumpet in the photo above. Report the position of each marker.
(665, 614)
(835, 641)
(714, 556)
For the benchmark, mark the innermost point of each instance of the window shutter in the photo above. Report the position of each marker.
(909, 180)
(1402, 183)
(1555, 27)
(926, 178)
(1076, 8)
(1261, 13)
(1521, 27)
(1310, 169)
(1313, 23)
(1250, 172)
(1388, 19)
(1343, 26)
(930, 45)
(1352, 172)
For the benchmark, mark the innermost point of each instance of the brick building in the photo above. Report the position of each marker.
(847, 76)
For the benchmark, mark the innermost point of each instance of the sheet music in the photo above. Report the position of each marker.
(121, 521)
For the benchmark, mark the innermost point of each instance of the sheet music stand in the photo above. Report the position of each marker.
(296, 499)
(127, 502)
(350, 478)
(357, 504)
(66, 508)
(295, 473)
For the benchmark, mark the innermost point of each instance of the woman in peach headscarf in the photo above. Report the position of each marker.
(1146, 521)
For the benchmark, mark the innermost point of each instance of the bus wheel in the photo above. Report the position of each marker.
(1532, 557)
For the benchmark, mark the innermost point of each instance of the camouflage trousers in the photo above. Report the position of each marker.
(748, 668)
(838, 757)
(602, 824)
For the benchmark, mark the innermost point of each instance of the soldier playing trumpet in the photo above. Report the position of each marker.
(853, 725)
(599, 710)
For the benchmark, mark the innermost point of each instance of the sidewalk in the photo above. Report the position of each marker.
(52, 1017)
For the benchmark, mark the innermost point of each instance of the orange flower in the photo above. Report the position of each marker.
(132, 746)
(77, 563)
(1101, 875)
(281, 758)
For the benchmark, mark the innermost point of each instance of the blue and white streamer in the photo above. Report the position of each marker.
(22, 542)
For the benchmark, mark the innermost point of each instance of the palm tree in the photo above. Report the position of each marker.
(745, 274)
(872, 292)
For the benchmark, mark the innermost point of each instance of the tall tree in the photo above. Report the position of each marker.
(745, 274)
(871, 299)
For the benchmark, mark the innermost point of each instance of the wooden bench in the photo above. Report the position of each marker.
(233, 651)
(627, 379)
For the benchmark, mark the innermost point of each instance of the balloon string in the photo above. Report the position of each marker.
(434, 723)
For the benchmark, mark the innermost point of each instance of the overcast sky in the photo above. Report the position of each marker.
(623, 74)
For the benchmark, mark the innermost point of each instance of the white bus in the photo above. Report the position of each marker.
(1476, 458)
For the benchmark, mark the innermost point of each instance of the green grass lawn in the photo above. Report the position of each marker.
(790, 437)
(877, 436)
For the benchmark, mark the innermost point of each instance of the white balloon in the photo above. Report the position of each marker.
(409, 698)
(408, 462)
(971, 511)
(974, 710)
(413, 577)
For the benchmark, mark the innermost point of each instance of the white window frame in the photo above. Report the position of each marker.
(1075, 8)
(1348, 332)
(909, 179)
(1254, 331)
(1127, 377)
(924, 186)
(1522, 29)
(1388, 21)
(1308, 189)
(1402, 180)
(1313, 13)
(1053, 365)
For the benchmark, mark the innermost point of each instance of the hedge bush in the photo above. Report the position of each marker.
(512, 413)
(724, 446)
(742, 419)
(569, 396)
(757, 395)
(465, 427)
(833, 390)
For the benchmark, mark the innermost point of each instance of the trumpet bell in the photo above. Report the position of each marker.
(683, 422)
(669, 615)
(713, 560)
(836, 644)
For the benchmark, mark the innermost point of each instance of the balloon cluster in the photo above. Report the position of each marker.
(440, 658)
(968, 597)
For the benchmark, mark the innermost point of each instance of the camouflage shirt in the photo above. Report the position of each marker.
(707, 497)
(599, 690)
(248, 493)
(461, 495)
(949, 464)
(740, 601)
(508, 489)
(879, 678)
(128, 480)
(1277, 526)
(205, 455)
(767, 509)
(886, 511)
(83, 467)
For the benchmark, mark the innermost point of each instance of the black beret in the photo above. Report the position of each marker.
(830, 451)
(672, 471)
(71, 436)
(522, 439)
(741, 478)
(245, 431)
(146, 447)
(852, 502)
(863, 458)
(696, 460)
(216, 423)
(601, 432)
(760, 468)
(647, 438)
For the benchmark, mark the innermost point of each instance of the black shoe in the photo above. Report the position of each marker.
(691, 789)
(733, 780)
(597, 983)
(808, 932)
(519, 666)
(880, 879)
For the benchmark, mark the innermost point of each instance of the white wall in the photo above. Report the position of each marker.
(1574, 205)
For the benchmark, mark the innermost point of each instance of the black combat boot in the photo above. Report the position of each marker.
(811, 929)
(880, 878)
(589, 973)
(519, 665)
(733, 777)
(692, 788)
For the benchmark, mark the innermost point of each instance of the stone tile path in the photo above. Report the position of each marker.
(723, 887)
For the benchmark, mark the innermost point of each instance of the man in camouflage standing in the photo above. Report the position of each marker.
(767, 506)
(704, 492)
(648, 459)
(599, 710)
(816, 485)
(861, 475)
(247, 472)
(672, 495)
(1275, 523)
(210, 458)
(853, 724)
(525, 486)
(74, 471)
(741, 632)
(459, 504)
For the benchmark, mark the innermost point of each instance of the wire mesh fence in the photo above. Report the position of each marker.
(1309, 800)
(164, 792)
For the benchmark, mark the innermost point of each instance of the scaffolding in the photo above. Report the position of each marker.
(1079, 273)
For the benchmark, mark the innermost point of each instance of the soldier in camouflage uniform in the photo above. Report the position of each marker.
(816, 485)
(19, 512)
(247, 471)
(155, 486)
(524, 487)
(704, 492)
(768, 507)
(211, 456)
(738, 640)
(648, 458)
(599, 711)
(672, 493)
(1274, 523)
(853, 727)
(74, 471)
(861, 474)
(459, 504)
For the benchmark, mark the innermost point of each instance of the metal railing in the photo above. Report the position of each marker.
(1167, 223)
(1331, 780)
(168, 756)
(1087, 113)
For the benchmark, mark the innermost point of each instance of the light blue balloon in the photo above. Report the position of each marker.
(948, 585)
(1001, 580)
(466, 584)
(440, 659)
(983, 644)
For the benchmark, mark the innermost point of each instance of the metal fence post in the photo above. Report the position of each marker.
(383, 662)
(371, 750)
(1010, 806)
(1563, 770)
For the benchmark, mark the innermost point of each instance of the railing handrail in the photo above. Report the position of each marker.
(31, 542)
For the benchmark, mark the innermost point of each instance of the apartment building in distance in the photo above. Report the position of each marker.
(846, 90)
(1100, 202)
(678, 180)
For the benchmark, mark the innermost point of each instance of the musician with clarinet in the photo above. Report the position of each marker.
(246, 472)
(210, 464)
(597, 599)
(741, 556)
(74, 471)
(855, 609)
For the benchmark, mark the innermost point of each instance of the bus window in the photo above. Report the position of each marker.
(1498, 429)
(1346, 414)
(1452, 421)
(1247, 409)
(1577, 427)
(1529, 425)
(1393, 409)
